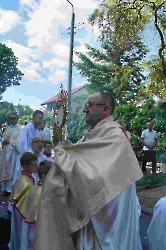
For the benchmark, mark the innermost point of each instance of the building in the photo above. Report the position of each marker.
(36, 106)
(50, 103)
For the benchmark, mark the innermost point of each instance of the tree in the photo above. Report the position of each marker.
(5, 110)
(76, 123)
(127, 19)
(114, 69)
(24, 111)
(138, 116)
(9, 72)
(48, 117)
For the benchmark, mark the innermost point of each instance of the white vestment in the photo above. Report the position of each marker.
(46, 134)
(157, 229)
(10, 154)
(91, 189)
(26, 136)
(107, 229)
(24, 144)
(49, 158)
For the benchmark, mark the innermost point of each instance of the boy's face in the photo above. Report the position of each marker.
(32, 168)
(48, 148)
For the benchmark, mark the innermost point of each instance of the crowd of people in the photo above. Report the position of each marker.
(34, 139)
(83, 198)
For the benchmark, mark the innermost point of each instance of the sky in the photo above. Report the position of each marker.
(37, 32)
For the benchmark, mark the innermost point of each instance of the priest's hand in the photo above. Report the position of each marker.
(64, 144)
(5, 142)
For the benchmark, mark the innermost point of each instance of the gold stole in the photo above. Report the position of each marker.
(32, 203)
(22, 185)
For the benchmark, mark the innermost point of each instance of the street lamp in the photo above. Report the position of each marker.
(70, 57)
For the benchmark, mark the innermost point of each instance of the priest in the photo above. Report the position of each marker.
(26, 136)
(89, 196)
(10, 153)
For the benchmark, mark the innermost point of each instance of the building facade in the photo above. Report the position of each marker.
(50, 103)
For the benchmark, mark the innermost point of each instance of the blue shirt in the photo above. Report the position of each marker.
(149, 138)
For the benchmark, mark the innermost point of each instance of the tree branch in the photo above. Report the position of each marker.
(160, 53)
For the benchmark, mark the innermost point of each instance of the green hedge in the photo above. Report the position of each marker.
(151, 180)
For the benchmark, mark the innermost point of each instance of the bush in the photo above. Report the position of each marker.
(152, 180)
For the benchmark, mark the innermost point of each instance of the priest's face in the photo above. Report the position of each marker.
(38, 119)
(42, 125)
(95, 110)
(37, 144)
(13, 119)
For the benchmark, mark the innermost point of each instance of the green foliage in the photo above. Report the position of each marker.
(137, 117)
(113, 69)
(151, 180)
(76, 123)
(156, 80)
(25, 112)
(5, 111)
(126, 19)
(49, 119)
(9, 72)
(123, 22)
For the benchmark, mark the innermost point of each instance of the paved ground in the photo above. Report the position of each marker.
(149, 197)
(3, 213)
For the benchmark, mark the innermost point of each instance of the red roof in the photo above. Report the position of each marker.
(57, 97)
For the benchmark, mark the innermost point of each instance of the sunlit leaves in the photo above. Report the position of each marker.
(9, 72)
(123, 21)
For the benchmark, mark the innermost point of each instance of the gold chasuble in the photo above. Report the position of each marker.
(33, 197)
(22, 185)
(84, 178)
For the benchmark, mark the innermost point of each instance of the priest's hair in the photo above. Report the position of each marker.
(38, 112)
(14, 114)
(44, 168)
(105, 96)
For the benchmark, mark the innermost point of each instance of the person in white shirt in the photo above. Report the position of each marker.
(24, 142)
(10, 153)
(30, 131)
(44, 131)
(149, 139)
(157, 228)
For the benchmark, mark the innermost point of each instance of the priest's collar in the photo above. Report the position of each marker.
(105, 120)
